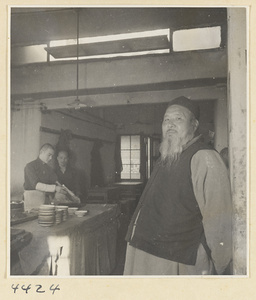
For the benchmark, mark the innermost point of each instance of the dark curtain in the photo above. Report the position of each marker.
(97, 172)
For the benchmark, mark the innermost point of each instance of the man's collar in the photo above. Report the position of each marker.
(40, 160)
(195, 139)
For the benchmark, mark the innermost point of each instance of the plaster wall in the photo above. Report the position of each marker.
(25, 144)
(26, 140)
(237, 106)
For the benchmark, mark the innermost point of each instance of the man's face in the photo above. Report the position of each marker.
(177, 123)
(46, 155)
(62, 159)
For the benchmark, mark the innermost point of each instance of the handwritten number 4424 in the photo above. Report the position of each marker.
(38, 288)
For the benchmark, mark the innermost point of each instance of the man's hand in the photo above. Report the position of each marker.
(60, 189)
(76, 199)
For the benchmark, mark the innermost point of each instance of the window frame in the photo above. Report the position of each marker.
(140, 175)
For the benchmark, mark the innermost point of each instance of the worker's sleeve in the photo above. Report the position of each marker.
(49, 188)
(212, 191)
(31, 179)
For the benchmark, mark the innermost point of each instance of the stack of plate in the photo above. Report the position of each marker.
(46, 215)
(58, 216)
(65, 211)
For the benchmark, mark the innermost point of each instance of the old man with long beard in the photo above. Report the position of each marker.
(182, 224)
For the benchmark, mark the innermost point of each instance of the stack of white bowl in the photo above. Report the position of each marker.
(46, 215)
(58, 216)
(81, 213)
(65, 211)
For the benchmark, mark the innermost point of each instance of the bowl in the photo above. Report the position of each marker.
(72, 210)
(81, 213)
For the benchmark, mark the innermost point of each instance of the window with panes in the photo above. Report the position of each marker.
(130, 154)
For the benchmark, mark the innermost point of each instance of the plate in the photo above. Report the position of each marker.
(62, 207)
(72, 210)
(46, 207)
(81, 213)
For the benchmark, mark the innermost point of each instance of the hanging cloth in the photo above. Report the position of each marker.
(97, 172)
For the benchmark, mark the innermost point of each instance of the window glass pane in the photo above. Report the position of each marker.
(126, 172)
(125, 155)
(135, 157)
(135, 168)
(130, 154)
(197, 39)
(134, 43)
(125, 142)
(135, 142)
(135, 175)
(135, 171)
(112, 37)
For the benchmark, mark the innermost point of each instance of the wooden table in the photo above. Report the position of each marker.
(78, 246)
(103, 195)
(129, 189)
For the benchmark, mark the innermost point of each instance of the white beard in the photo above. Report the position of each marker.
(171, 149)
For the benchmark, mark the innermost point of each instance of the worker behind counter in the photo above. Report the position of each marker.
(67, 178)
(40, 180)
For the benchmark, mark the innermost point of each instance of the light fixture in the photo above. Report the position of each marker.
(77, 104)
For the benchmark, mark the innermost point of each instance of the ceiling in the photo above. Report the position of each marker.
(41, 25)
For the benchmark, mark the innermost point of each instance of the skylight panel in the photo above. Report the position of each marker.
(197, 39)
(112, 37)
(127, 44)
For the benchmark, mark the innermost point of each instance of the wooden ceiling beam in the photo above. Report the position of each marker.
(160, 86)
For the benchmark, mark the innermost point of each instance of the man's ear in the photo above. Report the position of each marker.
(196, 124)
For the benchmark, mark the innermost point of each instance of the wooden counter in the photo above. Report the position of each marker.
(129, 189)
(103, 195)
(78, 246)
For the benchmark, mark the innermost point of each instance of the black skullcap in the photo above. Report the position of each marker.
(189, 104)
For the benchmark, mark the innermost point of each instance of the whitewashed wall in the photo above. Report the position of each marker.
(25, 144)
